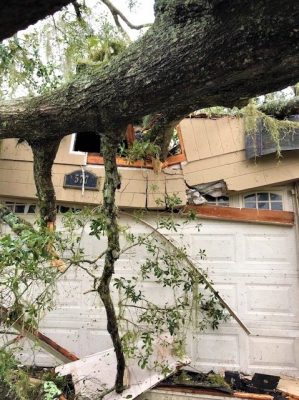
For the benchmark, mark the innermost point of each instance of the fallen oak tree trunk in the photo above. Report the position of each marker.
(196, 55)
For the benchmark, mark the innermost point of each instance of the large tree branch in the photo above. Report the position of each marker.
(197, 54)
(281, 108)
(18, 14)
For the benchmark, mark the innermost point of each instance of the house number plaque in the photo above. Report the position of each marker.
(78, 179)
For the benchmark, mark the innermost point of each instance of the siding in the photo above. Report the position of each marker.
(141, 188)
(222, 156)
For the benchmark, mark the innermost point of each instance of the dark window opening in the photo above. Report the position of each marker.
(176, 152)
(90, 142)
(87, 142)
(61, 209)
(218, 201)
(21, 208)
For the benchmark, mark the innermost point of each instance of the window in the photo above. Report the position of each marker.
(263, 201)
(25, 208)
(217, 201)
(262, 143)
(90, 142)
(21, 208)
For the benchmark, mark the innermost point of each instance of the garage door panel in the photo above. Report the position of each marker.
(271, 299)
(229, 292)
(272, 247)
(218, 247)
(272, 352)
(222, 350)
(261, 299)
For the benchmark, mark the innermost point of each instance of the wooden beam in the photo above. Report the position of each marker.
(96, 159)
(44, 341)
(242, 214)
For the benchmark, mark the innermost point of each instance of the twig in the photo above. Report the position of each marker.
(129, 322)
(77, 8)
(119, 25)
(115, 11)
(105, 392)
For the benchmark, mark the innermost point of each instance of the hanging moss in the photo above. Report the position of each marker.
(255, 120)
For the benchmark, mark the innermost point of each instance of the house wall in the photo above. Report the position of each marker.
(141, 188)
(215, 150)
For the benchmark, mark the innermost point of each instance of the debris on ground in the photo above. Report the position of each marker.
(36, 383)
(94, 376)
(199, 380)
(233, 384)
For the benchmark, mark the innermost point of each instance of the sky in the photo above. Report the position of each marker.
(142, 13)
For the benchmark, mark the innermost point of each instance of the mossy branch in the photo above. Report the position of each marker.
(112, 182)
(281, 109)
(254, 120)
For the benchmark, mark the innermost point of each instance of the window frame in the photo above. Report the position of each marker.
(12, 204)
(268, 201)
(217, 202)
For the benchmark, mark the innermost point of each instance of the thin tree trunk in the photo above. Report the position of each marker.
(112, 182)
(44, 154)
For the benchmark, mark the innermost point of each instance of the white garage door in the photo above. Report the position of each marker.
(254, 267)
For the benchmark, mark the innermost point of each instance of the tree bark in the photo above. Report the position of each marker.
(197, 54)
(44, 153)
(281, 109)
(112, 182)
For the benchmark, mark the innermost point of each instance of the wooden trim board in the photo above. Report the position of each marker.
(243, 214)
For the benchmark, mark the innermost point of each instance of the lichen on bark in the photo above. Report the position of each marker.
(44, 153)
(112, 182)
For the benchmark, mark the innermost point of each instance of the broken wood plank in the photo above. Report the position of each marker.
(203, 394)
(290, 387)
(94, 376)
(44, 341)
(252, 396)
